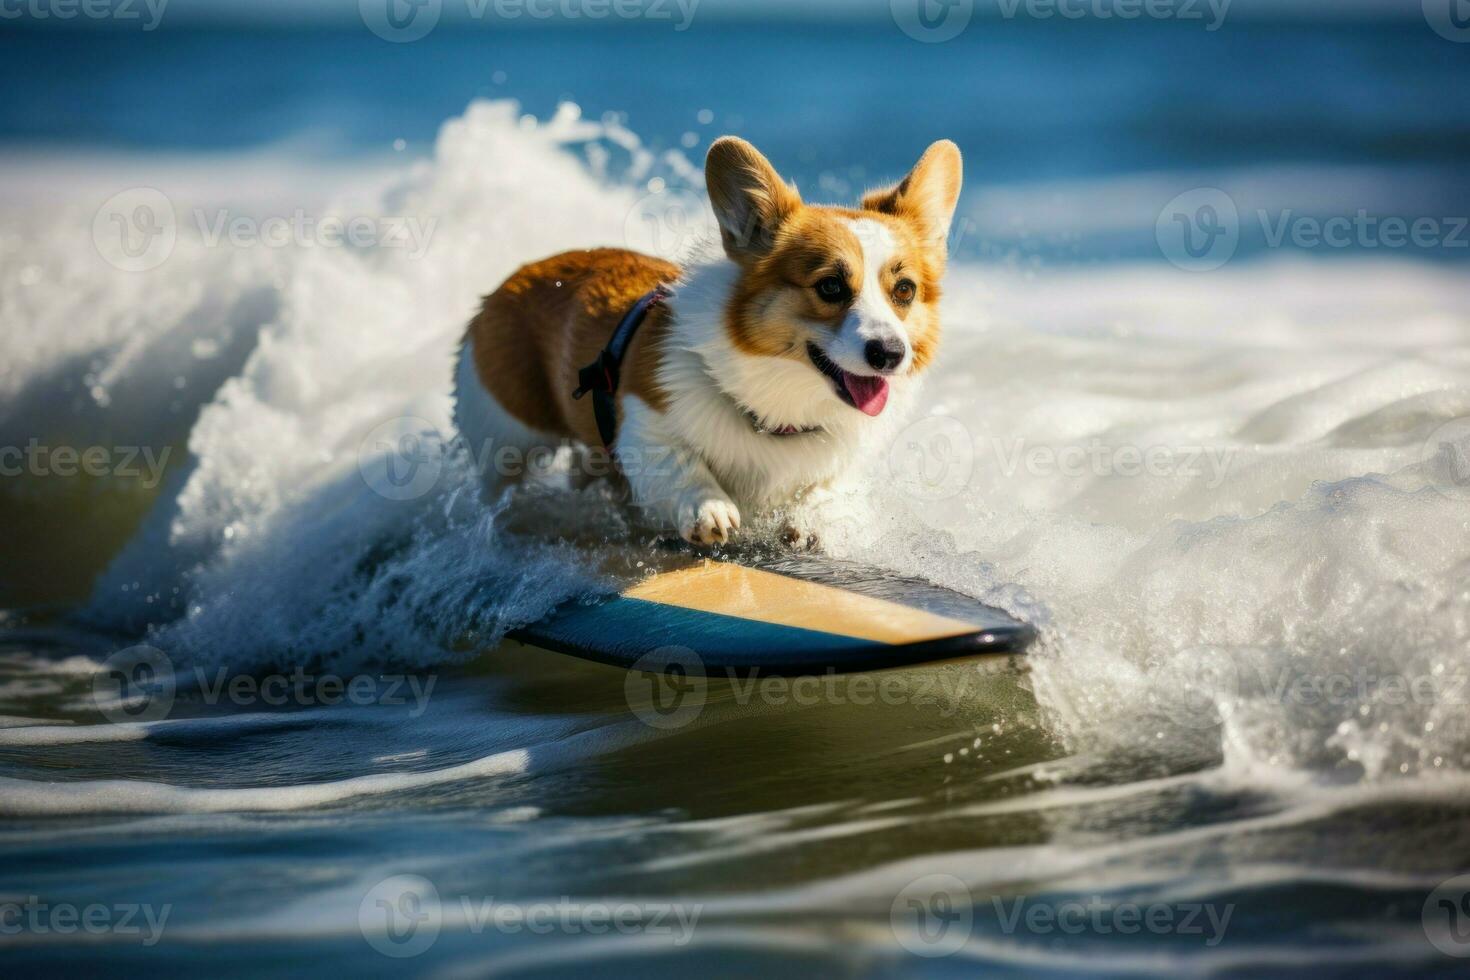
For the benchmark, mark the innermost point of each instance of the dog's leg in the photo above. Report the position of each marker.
(671, 482)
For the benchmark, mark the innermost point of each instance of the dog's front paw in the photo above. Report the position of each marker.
(711, 520)
(795, 535)
(801, 521)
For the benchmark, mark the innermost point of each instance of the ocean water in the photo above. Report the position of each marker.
(1224, 473)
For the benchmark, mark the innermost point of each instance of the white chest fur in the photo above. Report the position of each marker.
(712, 386)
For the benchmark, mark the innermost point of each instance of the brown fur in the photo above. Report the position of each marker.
(550, 319)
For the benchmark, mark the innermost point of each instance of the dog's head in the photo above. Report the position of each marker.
(852, 294)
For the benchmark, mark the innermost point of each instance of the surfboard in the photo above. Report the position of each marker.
(775, 615)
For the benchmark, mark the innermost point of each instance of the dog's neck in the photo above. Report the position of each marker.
(779, 393)
(761, 427)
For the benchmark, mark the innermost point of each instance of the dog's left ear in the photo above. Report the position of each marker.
(927, 196)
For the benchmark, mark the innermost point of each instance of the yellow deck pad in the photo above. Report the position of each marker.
(749, 593)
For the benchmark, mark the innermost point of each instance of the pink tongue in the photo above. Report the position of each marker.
(868, 394)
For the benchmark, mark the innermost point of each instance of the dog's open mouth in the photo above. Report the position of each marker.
(863, 392)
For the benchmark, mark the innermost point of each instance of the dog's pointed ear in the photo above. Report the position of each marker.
(928, 195)
(750, 199)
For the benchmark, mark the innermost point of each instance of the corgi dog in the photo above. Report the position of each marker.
(756, 377)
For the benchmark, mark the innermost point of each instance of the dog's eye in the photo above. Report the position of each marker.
(832, 289)
(905, 290)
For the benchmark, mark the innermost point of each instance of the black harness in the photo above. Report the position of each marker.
(601, 377)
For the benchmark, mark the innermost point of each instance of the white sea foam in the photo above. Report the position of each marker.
(24, 797)
(1299, 558)
(1299, 526)
(541, 745)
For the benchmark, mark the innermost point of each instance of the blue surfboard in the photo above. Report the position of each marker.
(791, 614)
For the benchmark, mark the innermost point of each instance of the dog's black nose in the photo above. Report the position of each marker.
(884, 355)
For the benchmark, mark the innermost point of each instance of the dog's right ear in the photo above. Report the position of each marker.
(750, 199)
(928, 195)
